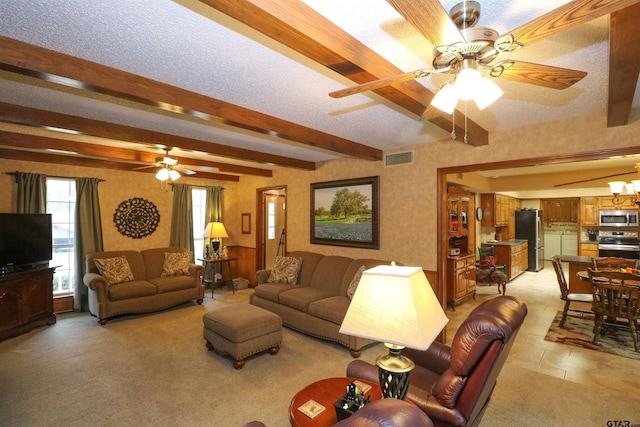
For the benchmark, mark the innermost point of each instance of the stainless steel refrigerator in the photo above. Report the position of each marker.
(529, 227)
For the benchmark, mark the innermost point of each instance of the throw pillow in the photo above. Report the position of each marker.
(351, 290)
(176, 264)
(115, 270)
(285, 270)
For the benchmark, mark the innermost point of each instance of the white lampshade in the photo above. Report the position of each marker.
(630, 187)
(215, 230)
(174, 175)
(636, 186)
(163, 174)
(446, 98)
(466, 84)
(616, 186)
(395, 305)
(487, 92)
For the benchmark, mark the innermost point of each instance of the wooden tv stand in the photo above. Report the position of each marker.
(26, 301)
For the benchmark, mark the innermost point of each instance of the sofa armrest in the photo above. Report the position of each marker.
(364, 370)
(262, 276)
(97, 283)
(196, 271)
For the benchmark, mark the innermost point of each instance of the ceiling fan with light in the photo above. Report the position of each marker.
(170, 168)
(464, 50)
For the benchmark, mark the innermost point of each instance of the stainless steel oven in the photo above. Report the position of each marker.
(619, 250)
(622, 244)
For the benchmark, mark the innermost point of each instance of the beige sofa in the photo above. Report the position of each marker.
(317, 304)
(147, 292)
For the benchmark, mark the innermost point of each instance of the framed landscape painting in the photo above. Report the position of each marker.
(346, 213)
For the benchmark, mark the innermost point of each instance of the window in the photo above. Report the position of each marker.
(199, 202)
(271, 220)
(61, 204)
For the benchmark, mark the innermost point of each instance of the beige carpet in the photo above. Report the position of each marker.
(155, 370)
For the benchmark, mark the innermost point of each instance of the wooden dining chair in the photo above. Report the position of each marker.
(600, 263)
(564, 291)
(616, 297)
(489, 251)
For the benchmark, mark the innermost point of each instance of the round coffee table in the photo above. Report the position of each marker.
(326, 392)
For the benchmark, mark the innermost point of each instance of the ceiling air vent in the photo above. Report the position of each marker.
(398, 158)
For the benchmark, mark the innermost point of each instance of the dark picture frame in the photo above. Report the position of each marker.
(246, 223)
(346, 213)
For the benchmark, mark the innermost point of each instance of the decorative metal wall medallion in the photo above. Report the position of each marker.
(136, 218)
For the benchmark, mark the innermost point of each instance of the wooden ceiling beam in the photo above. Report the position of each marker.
(17, 114)
(27, 59)
(36, 142)
(624, 63)
(32, 148)
(304, 30)
(60, 159)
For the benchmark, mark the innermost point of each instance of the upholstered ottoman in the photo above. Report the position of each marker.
(241, 330)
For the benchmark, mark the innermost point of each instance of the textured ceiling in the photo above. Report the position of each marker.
(192, 46)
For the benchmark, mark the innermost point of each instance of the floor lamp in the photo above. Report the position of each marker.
(395, 305)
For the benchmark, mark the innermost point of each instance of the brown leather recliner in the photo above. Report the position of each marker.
(453, 385)
(387, 413)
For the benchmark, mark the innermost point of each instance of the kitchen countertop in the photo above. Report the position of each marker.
(574, 259)
(514, 242)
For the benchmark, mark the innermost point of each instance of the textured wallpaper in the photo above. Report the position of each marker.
(117, 187)
(408, 201)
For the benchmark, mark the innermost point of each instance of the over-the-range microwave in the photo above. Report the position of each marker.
(619, 218)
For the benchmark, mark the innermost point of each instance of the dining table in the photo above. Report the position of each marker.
(584, 275)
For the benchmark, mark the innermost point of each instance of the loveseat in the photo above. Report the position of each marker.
(317, 301)
(155, 281)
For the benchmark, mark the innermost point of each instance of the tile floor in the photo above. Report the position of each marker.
(541, 294)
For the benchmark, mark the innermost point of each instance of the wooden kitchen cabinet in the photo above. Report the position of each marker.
(514, 257)
(589, 211)
(459, 210)
(560, 210)
(495, 209)
(461, 222)
(461, 279)
(588, 249)
(624, 202)
(26, 301)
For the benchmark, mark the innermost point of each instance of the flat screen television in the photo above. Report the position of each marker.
(25, 240)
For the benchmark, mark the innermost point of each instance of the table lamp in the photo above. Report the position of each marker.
(395, 305)
(215, 230)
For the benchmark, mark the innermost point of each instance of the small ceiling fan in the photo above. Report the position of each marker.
(170, 167)
(462, 49)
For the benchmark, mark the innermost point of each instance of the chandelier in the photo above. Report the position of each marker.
(632, 188)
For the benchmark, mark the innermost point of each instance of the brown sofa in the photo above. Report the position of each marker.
(147, 292)
(318, 302)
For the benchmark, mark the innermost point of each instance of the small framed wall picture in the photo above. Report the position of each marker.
(246, 223)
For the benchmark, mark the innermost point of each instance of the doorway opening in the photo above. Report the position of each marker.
(271, 220)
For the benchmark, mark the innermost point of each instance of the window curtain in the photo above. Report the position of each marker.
(32, 193)
(88, 235)
(182, 217)
(213, 206)
(212, 213)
